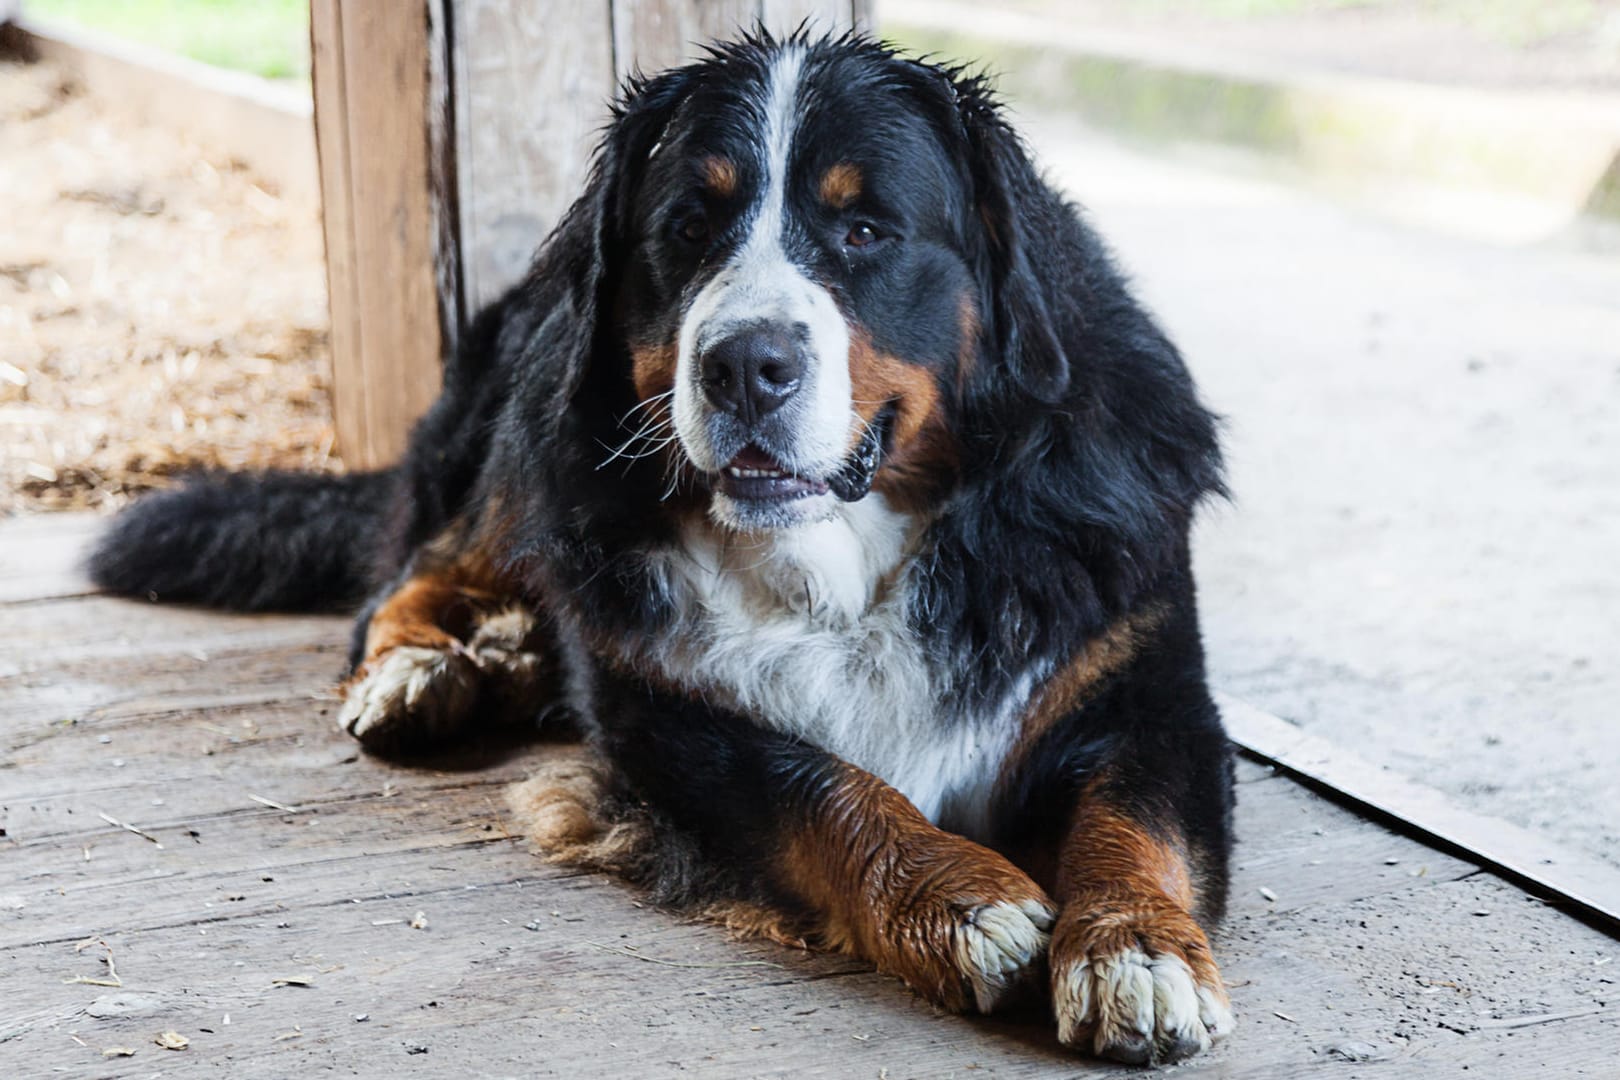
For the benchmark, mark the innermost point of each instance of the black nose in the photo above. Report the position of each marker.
(751, 373)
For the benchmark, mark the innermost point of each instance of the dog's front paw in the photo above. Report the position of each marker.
(507, 649)
(964, 927)
(999, 947)
(1133, 980)
(409, 695)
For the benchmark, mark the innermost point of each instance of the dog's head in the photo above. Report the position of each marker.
(814, 249)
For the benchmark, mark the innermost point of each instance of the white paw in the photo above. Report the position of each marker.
(409, 694)
(996, 945)
(1137, 1007)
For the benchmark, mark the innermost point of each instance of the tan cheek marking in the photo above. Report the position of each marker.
(719, 177)
(923, 452)
(841, 185)
(877, 378)
(652, 369)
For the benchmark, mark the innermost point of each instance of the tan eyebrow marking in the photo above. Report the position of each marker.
(841, 185)
(719, 176)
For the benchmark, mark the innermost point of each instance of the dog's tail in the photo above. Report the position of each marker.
(276, 541)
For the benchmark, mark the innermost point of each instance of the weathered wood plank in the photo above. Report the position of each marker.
(40, 557)
(255, 862)
(783, 16)
(1326, 856)
(371, 73)
(478, 987)
(327, 76)
(651, 35)
(532, 85)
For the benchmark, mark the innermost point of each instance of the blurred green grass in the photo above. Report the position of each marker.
(263, 37)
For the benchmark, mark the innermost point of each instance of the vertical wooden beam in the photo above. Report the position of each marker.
(651, 35)
(532, 82)
(781, 16)
(371, 74)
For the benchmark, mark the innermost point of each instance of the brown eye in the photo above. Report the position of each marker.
(694, 230)
(861, 235)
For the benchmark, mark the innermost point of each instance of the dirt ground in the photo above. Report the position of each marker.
(159, 310)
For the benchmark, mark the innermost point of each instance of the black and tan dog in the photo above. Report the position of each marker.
(825, 468)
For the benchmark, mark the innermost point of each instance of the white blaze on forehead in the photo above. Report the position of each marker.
(781, 121)
(760, 284)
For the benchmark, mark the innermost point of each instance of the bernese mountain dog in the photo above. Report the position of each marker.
(825, 469)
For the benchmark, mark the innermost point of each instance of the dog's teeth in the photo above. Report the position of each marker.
(753, 473)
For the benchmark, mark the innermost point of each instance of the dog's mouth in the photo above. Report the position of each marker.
(854, 479)
(756, 476)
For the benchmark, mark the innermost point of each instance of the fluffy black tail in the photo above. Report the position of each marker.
(251, 542)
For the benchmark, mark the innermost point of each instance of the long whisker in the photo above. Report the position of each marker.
(645, 404)
(655, 426)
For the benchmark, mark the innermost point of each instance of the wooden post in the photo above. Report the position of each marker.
(452, 135)
(370, 66)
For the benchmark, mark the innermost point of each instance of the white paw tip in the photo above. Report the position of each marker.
(997, 943)
(395, 685)
(1138, 1008)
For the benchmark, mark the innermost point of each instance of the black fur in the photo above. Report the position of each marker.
(250, 542)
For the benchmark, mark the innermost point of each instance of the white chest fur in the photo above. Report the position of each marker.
(805, 631)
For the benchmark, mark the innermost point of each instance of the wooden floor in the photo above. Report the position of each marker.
(289, 906)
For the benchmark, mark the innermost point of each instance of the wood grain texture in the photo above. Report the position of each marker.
(782, 16)
(532, 85)
(1349, 950)
(650, 35)
(371, 74)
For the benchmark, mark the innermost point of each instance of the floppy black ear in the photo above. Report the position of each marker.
(1007, 191)
(586, 252)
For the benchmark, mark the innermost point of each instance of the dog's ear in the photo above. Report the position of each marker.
(586, 252)
(1006, 189)
(641, 117)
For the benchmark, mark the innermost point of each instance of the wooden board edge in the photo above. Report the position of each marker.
(1580, 881)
